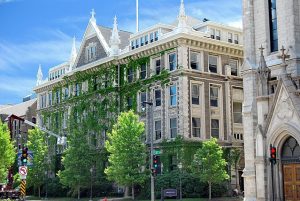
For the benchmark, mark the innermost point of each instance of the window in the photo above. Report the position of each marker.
(157, 129)
(238, 136)
(173, 95)
(65, 119)
(195, 94)
(196, 127)
(214, 96)
(230, 37)
(66, 92)
(157, 94)
(218, 35)
(132, 45)
(237, 113)
(156, 36)
(236, 38)
(142, 41)
(146, 39)
(50, 98)
(157, 66)
(195, 61)
(172, 61)
(143, 72)
(136, 43)
(212, 33)
(233, 66)
(214, 128)
(173, 127)
(130, 75)
(143, 98)
(57, 96)
(273, 25)
(77, 89)
(90, 53)
(129, 103)
(151, 37)
(213, 64)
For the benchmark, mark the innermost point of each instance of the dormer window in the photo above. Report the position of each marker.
(218, 35)
(230, 37)
(156, 36)
(151, 37)
(142, 41)
(136, 43)
(91, 52)
(146, 39)
(212, 33)
(132, 45)
(236, 38)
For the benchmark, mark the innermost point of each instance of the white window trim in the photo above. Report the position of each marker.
(218, 63)
(192, 136)
(200, 57)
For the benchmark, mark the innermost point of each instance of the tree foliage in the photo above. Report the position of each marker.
(37, 143)
(209, 164)
(127, 152)
(7, 151)
(77, 161)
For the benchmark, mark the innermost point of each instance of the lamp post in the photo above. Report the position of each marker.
(180, 184)
(151, 149)
(91, 195)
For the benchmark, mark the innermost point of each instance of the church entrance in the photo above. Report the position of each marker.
(290, 158)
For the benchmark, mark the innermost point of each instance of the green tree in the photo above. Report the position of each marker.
(127, 157)
(77, 161)
(209, 164)
(37, 143)
(7, 151)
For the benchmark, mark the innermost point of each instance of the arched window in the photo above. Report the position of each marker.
(290, 151)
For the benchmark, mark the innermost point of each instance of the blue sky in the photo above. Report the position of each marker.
(34, 32)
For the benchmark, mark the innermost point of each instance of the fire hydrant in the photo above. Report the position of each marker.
(104, 199)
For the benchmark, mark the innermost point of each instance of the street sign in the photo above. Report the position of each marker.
(23, 170)
(29, 158)
(157, 151)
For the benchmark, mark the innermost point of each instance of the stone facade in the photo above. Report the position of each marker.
(271, 99)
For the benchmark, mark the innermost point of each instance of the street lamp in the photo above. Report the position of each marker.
(91, 195)
(180, 185)
(151, 149)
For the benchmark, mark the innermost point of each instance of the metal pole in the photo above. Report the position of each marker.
(272, 178)
(91, 196)
(151, 150)
(180, 186)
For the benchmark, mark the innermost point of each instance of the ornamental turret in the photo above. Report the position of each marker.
(73, 53)
(114, 39)
(39, 76)
(263, 75)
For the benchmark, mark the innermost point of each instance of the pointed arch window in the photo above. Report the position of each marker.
(290, 151)
(273, 25)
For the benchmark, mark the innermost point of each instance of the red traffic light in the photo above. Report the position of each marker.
(272, 154)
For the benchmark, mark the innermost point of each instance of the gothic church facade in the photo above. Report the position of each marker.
(271, 108)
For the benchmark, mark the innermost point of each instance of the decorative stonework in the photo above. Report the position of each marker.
(285, 110)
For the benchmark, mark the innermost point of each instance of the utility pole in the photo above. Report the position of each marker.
(151, 149)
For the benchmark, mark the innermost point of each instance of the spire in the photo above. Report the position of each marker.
(182, 19)
(283, 57)
(114, 39)
(73, 53)
(263, 74)
(39, 76)
(93, 13)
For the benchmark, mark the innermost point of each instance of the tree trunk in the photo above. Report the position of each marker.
(132, 191)
(237, 180)
(126, 193)
(78, 196)
(39, 191)
(209, 187)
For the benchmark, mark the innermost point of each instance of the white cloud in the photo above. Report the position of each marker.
(237, 24)
(18, 86)
(15, 56)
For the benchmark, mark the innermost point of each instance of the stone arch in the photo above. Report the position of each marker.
(290, 151)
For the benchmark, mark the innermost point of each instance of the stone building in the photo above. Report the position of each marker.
(271, 99)
(203, 99)
(25, 110)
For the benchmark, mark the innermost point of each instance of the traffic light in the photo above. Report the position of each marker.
(156, 164)
(272, 154)
(24, 156)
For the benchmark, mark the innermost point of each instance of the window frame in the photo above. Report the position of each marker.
(196, 128)
(239, 113)
(214, 98)
(209, 65)
(143, 72)
(192, 93)
(172, 63)
(157, 98)
(198, 60)
(231, 67)
(157, 130)
(173, 96)
(214, 129)
(173, 127)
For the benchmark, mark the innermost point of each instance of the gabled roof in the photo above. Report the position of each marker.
(18, 109)
(124, 35)
(284, 85)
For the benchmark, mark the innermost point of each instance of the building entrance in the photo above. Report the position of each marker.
(290, 158)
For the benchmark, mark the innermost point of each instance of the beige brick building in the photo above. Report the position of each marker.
(204, 97)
